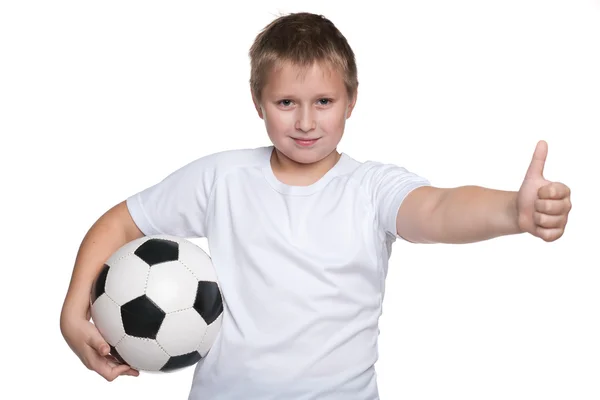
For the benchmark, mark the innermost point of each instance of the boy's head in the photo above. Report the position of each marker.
(304, 85)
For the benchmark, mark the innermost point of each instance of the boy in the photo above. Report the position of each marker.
(300, 234)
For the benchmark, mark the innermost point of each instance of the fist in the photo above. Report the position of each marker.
(542, 206)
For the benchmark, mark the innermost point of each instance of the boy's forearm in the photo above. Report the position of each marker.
(469, 214)
(100, 242)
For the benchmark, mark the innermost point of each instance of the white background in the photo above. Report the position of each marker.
(101, 99)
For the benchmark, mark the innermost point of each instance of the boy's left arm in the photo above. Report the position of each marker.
(472, 213)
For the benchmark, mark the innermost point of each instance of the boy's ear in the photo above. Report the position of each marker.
(351, 104)
(257, 105)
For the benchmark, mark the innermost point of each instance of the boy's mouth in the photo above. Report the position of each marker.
(305, 142)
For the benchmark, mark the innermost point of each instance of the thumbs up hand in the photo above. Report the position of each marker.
(542, 206)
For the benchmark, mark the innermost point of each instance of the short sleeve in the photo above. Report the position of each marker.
(388, 185)
(177, 205)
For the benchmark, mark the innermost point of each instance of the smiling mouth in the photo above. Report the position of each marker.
(305, 142)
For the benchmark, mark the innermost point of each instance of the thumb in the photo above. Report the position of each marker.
(536, 167)
(98, 343)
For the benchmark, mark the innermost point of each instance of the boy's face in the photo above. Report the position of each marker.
(305, 111)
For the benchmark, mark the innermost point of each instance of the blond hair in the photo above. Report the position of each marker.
(301, 39)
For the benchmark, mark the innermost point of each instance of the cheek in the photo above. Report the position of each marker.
(278, 122)
(274, 117)
(333, 123)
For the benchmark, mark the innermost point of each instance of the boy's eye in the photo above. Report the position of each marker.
(287, 103)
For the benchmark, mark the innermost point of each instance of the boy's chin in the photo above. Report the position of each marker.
(306, 156)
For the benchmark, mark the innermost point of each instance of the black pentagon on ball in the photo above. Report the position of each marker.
(142, 317)
(182, 361)
(156, 251)
(99, 283)
(209, 302)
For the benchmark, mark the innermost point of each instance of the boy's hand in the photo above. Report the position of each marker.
(88, 344)
(542, 206)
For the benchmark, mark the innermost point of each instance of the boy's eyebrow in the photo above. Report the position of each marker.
(325, 95)
(290, 96)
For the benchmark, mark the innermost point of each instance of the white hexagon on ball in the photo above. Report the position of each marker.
(210, 336)
(171, 286)
(197, 261)
(142, 354)
(181, 332)
(126, 250)
(106, 315)
(126, 279)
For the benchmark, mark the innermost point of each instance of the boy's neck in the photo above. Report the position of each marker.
(293, 173)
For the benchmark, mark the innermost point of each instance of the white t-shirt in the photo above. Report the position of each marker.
(301, 268)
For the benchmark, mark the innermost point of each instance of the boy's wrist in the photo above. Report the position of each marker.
(76, 305)
(512, 211)
(506, 221)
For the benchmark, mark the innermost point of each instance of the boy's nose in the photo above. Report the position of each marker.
(305, 121)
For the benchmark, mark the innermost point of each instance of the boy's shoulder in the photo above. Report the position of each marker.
(364, 169)
(236, 157)
(229, 160)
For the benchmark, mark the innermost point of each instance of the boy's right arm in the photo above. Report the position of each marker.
(112, 230)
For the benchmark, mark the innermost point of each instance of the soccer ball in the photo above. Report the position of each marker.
(157, 303)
